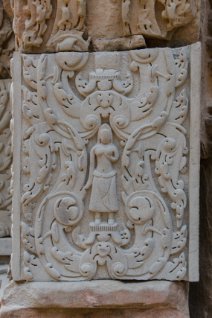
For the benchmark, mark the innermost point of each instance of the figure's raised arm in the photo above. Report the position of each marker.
(115, 154)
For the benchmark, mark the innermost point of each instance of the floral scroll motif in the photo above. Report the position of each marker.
(104, 158)
(63, 25)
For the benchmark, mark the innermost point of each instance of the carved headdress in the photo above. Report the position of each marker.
(105, 130)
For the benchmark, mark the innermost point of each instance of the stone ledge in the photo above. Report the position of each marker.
(33, 299)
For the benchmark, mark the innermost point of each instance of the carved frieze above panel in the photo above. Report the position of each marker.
(5, 159)
(105, 152)
(80, 25)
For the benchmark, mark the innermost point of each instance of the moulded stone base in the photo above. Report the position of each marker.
(96, 299)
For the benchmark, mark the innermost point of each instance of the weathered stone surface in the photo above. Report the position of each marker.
(158, 244)
(94, 313)
(100, 168)
(5, 246)
(7, 42)
(201, 292)
(5, 178)
(5, 159)
(80, 25)
(3, 279)
(96, 298)
(7, 45)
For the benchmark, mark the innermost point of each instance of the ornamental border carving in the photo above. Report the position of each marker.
(99, 176)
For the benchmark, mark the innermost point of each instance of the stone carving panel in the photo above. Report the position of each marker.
(5, 159)
(80, 25)
(102, 173)
(7, 42)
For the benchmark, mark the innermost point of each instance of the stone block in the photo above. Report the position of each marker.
(5, 246)
(80, 25)
(106, 165)
(95, 299)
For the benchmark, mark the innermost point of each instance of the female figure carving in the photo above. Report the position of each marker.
(102, 176)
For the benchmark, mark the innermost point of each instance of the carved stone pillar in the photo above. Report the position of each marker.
(106, 159)
(6, 50)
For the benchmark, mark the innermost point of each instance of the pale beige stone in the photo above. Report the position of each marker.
(7, 45)
(6, 245)
(117, 31)
(102, 179)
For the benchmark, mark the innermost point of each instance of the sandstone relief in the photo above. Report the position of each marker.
(7, 45)
(5, 159)
(7, 42)
(104, 164)
(80, 25)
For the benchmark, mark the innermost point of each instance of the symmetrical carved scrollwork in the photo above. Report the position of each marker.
(64, 25)
(104, 156)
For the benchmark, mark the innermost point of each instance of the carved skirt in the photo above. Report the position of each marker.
(103, 193)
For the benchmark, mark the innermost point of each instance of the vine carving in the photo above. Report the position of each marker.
(104, 165)
(62, 25)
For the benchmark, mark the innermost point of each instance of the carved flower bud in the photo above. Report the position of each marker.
(91, 122)
(43, 139)
(134, 67)
(141, 209)
(87, 269)
(119, 268)
(121, 121)
(50, 116)
(66, 211)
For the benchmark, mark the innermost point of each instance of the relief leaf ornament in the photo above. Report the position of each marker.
(38, 12)
(104, 184)
(63, 25)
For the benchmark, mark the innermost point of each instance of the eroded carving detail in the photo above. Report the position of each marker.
(36, 14)
(7, 43)
(74, 24)
(178, 13)
(5, 159)
(104, 157)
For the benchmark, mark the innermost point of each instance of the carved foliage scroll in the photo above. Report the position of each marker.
(104, 165)
(65, 25)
